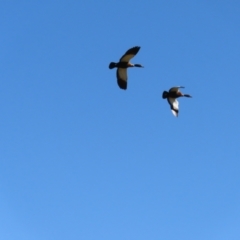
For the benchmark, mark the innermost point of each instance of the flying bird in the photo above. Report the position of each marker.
(172, 96)
(122, 66)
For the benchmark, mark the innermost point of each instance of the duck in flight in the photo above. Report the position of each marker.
(122, 66)
(172, 96)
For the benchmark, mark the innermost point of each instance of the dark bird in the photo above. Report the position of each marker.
(172, 96)
(122, 66)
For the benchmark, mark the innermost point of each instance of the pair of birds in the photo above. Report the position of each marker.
(122, 66)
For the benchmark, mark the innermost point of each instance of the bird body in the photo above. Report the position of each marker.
(122, 66)
(172, 96)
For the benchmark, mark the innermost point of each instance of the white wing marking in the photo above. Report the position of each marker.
(174, 113)
(174, 106)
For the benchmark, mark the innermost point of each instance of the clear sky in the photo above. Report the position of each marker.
(81, 158)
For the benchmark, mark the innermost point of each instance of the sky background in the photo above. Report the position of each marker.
(82, 159)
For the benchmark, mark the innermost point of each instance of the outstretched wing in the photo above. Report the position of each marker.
(174, 105)
(175, 89)
(129, 54)
(122, 78)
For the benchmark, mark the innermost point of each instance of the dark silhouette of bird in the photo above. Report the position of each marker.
(122, 66)
(172, 96)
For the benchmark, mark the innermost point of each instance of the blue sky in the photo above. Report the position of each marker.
(81, 158)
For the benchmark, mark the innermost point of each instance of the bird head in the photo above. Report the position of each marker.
(138, 65)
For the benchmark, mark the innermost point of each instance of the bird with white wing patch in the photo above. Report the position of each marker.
(172, 96)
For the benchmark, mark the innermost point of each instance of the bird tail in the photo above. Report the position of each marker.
(164, 94)
(112, 65)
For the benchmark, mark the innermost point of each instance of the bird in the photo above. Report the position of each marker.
(122, 66)
(172, 96)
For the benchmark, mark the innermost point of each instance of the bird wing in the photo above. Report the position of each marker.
(174, 104)
(175, 89)
(122, 78)
(130, 53)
